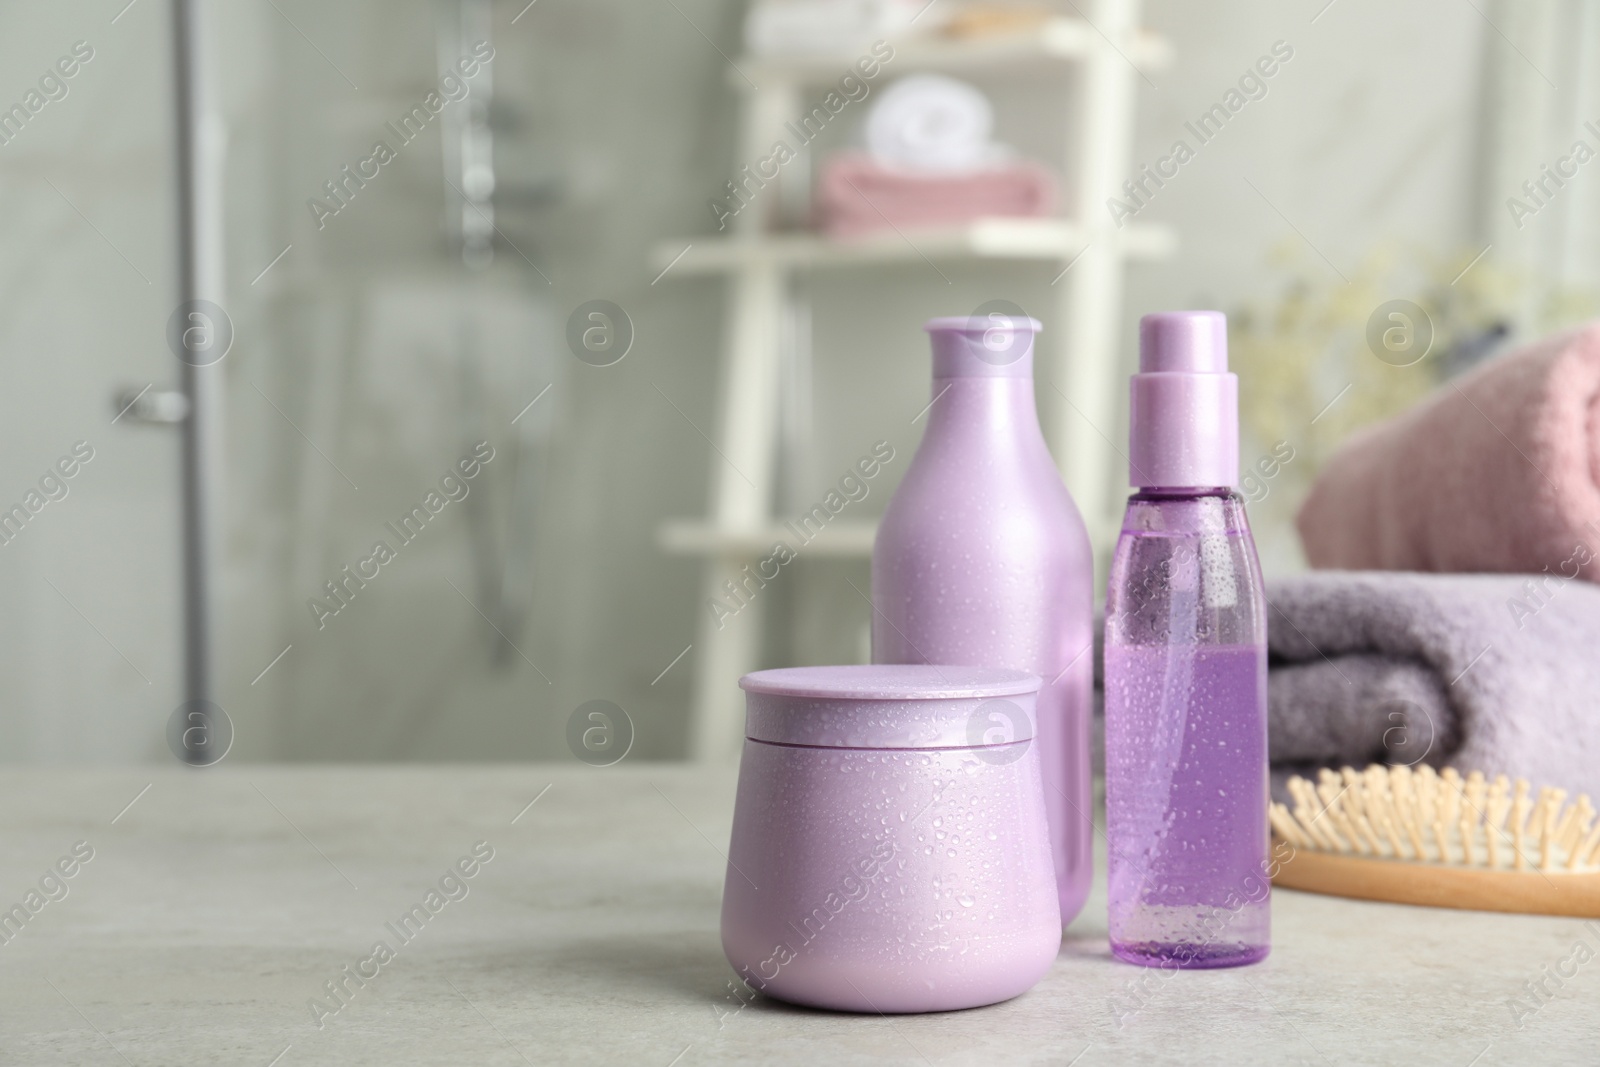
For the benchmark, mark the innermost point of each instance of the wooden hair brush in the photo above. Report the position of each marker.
(1437, 839)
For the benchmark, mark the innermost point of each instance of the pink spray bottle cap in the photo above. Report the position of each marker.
(1183, 405)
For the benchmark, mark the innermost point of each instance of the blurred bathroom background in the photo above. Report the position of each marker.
(374, 347)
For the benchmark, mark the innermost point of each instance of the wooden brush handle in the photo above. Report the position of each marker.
(1473, 888)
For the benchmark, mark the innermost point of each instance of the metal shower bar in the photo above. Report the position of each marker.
(199, 222)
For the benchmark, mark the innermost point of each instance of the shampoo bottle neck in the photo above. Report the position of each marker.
(1003, 405)
(983, 379)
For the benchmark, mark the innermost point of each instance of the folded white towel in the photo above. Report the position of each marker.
(826, 27)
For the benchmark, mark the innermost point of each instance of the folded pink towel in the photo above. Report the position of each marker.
(1498, 470)
(856, 195)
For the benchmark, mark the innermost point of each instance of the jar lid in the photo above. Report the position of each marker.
(890, 706)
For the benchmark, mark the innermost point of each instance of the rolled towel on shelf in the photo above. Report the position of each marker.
(1485, 672)
(930, 124)
(1498, 470)
(928, 161)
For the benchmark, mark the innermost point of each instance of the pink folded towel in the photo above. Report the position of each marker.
(1498, 470)
(856, 195)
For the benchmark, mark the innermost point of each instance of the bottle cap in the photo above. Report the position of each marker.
(1183, 405)
(983, 345)
(890, 706)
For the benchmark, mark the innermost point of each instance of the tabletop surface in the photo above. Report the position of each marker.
(208, 911)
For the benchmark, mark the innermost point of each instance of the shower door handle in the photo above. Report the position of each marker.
(150, 406)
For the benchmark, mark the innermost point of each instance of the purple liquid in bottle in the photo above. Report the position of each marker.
(1185, 672)
(1187, 879)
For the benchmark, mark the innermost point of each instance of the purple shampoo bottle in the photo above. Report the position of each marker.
(1186, 670)
(982, 559)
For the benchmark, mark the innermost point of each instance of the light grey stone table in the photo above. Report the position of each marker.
(218, 903)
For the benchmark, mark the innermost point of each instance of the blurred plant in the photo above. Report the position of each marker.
(1310, 368)
(1309, 375)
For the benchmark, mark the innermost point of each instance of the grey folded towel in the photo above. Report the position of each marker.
(1491, 672)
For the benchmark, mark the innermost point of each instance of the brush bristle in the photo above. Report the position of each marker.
(1423, 816)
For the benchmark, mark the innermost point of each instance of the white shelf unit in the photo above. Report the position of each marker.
(992, 238)
(690, 537)
(1046, 45)
(1107, 52)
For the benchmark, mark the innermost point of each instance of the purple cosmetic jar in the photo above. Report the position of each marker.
(889, 849)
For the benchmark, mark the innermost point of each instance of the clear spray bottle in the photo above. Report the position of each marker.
(1186, 670)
